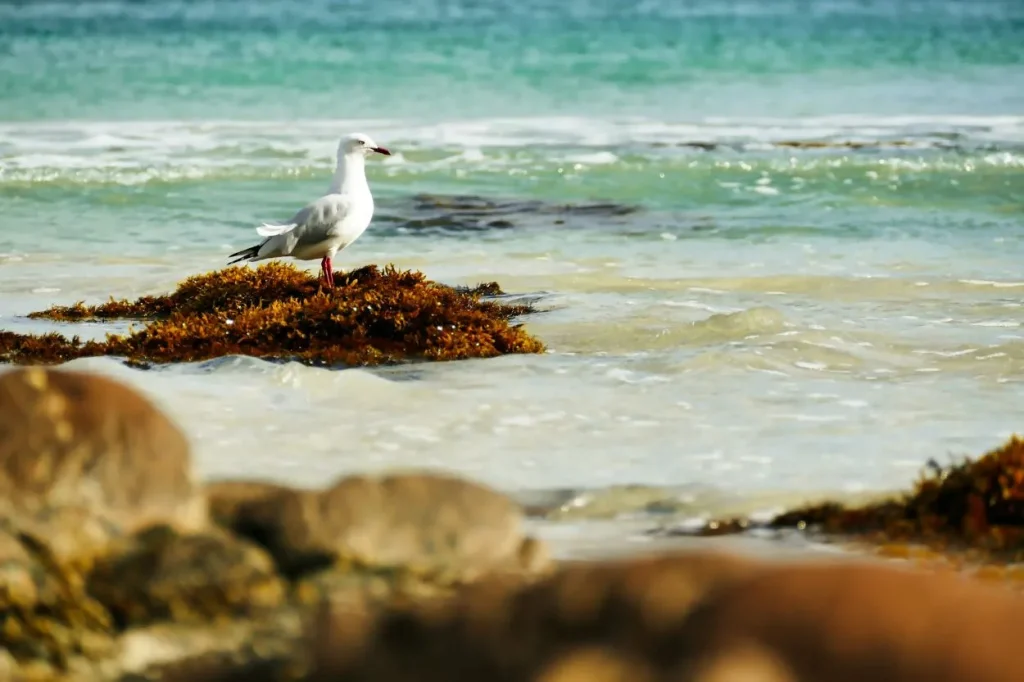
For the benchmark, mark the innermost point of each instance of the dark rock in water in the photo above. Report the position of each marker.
(462, 213)
(841, 144)
(466, 203)
(278, 312)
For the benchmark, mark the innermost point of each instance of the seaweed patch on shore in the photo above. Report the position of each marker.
(974, 504)
(277, 311)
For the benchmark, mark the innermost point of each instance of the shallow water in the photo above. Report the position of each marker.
(734, 320)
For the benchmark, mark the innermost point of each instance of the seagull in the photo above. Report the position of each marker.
(329, 224)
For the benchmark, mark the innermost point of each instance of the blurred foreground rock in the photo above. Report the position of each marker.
(688, 617)
(73, 440)
(440, 527)
(114, 562)
(84, 462)
(621, 612)
(853, 622)
(116, 566)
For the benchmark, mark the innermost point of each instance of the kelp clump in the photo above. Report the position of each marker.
(973, 504)
(277, 311)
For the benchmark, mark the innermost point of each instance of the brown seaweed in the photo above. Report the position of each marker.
(277, 311)
(975, 504)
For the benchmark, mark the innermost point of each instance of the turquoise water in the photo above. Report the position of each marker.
(439, 60)
(778, 243)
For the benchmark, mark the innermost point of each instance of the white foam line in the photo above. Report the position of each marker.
(991, 283)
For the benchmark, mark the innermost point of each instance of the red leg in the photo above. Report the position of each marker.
(325, 276)
(328, 271)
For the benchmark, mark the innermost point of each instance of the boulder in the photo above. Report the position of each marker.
(161, 575)
(46, 615)
(440, 527)
(619, 616)
(686, 617)
(596, 664)
(79, 440)
(852, 621)
(244, 506)
(85, 462)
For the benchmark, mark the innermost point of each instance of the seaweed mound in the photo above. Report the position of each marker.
(277, 311)
(975, 504)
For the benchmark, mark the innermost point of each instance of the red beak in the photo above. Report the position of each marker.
(381, 150)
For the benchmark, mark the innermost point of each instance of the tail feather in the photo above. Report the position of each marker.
(245, 254)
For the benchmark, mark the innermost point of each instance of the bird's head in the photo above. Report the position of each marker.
(358, 143)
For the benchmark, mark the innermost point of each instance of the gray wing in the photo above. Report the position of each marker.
(314, 223)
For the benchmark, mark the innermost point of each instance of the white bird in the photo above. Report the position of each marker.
(329, 224)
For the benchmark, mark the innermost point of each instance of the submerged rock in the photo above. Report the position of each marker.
(276, 311)
(422, 213)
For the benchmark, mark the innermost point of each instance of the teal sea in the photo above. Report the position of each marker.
(778, 244)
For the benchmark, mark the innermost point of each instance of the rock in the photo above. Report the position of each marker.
(433, 525)
(688, 617)
(244, 506)
(161, 575)
(596, 664)
(159, 600)
(18, 587)
(73, 535)
(626, 612)
(84, 462)
(743, 662)
(8, 665)
(243, 650)
(79, 440)
(46, 616)
(854, 621)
